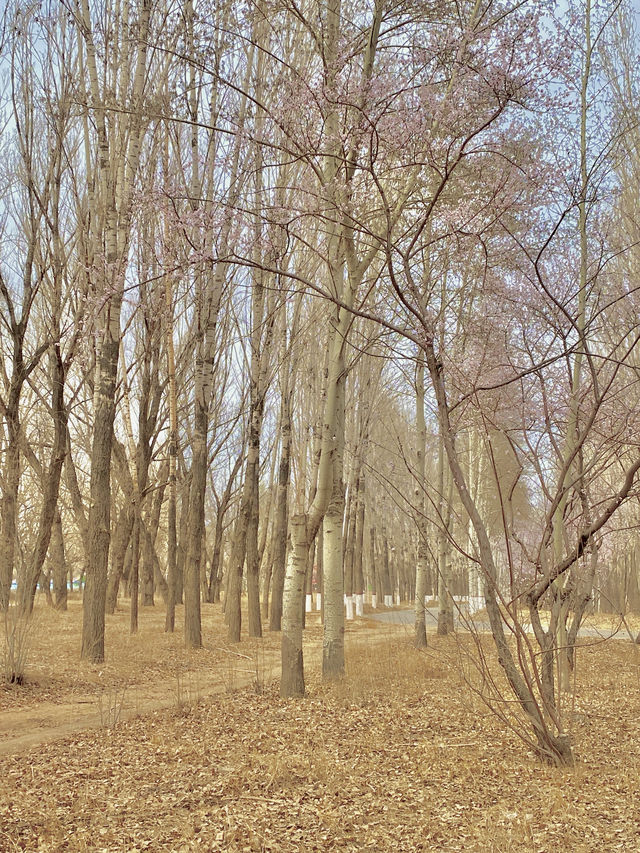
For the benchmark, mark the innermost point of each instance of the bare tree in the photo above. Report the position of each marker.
(118, 142)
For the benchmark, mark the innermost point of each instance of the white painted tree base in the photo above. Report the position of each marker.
(309, 603)
(374, 601)
(359, 604)
(388, 601)
(318, 601)
(349, 603)
(476, 602)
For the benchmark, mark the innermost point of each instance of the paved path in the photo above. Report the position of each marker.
(407, 617)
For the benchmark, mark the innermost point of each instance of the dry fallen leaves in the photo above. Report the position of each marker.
(399, 756)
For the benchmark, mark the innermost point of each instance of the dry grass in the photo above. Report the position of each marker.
(18, 632)
(400, 755)
(54, 672)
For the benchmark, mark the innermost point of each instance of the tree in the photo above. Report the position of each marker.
(118, 141)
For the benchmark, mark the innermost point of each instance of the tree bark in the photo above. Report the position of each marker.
(445, 602)
(555, 748)
(119, 544)
(333, 599)
(51, 482)
(58, 559)
(292, 681)
(11, 483)
(280, 527)
(420, 631)
(116, 202)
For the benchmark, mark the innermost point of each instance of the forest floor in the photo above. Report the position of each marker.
(160, 749)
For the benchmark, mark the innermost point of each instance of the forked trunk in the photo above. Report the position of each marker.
(552, 748)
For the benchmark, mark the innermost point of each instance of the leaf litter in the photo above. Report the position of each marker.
(400, 755)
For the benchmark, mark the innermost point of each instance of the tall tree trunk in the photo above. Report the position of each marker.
(134, 573)
(183, 538)
(208, 310)
(119, 544)
(349, 528)
(329, 496)
(386, 574)
(11, 482)
(420, 633)
(58, 559)
(292, 681)
(116, 207)
(373, 574)
(208, 307)
(280, 526)
(73, 490)
(95, 590)
(213, 592)
(571, 476)
(333, 600)
(358, 574)
(320, 574)
(253, 520)
(445, 601)
(192, 617)
(51, 483)
(233, 600)
(172, 533)
(326, 487)
(148, 566)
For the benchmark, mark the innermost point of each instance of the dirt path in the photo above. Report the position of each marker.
(26, 728)
(151, 671)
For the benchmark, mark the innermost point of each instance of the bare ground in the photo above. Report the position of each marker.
(164, 750)
(144, 672)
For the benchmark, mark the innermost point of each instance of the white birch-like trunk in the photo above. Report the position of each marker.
(333, 639)
(477, 479)
(445, 601)
(420, 633)
(292, 680)
(349, 605)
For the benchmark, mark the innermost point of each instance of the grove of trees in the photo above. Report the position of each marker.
(313, 300)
